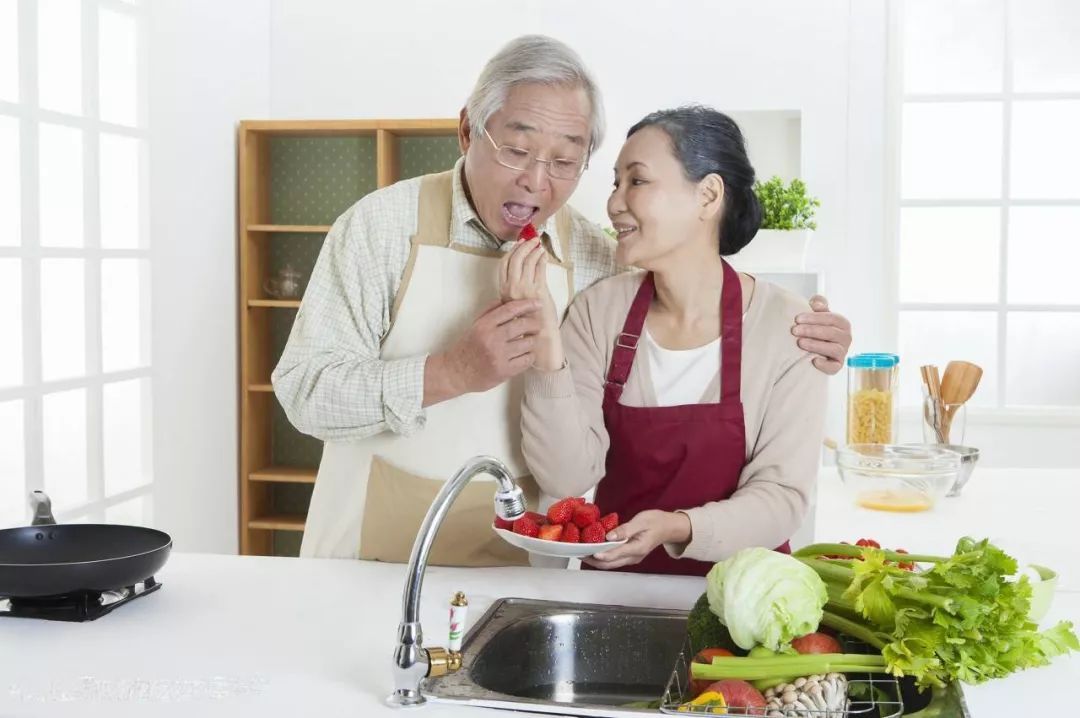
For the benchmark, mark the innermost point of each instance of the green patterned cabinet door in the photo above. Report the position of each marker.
(314, 179)
(427, 155)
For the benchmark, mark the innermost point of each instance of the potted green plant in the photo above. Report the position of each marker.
(787, 224)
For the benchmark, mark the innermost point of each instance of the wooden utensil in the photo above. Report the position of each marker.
(935, 382)
(957, 387)
(960, 381)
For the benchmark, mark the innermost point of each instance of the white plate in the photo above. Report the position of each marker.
(555, 548)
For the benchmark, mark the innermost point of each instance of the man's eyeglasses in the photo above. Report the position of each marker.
(516, 158)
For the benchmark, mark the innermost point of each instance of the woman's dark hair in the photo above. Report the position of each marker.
(709, 142)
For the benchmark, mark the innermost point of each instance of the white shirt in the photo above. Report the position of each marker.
(680, 376)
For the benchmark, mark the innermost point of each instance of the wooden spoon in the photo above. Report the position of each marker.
(958, 385)
(960, 381)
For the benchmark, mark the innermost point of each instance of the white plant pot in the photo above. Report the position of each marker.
(775, 250)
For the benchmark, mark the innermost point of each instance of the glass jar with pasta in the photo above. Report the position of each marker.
(872, 400)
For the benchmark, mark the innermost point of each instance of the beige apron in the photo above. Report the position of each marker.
(371, 495)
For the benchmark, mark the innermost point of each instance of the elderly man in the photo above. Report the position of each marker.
(403, 360)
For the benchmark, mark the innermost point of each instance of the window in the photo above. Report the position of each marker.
(988, 209)
(75, 374)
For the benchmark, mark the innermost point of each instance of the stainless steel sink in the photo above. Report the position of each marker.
(588, 659)
(552, 657)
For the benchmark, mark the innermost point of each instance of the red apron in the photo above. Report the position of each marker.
(674, 457)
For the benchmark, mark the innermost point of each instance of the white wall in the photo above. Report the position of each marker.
(209, 68)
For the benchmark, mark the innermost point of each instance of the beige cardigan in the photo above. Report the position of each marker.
(565, 441)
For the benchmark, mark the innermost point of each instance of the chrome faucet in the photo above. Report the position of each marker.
(413, 662)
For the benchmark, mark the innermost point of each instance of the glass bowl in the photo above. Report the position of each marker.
(888, 477)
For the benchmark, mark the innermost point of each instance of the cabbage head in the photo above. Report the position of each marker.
(766, 598)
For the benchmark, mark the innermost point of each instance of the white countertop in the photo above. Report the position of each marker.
(234, 636)
(1031, 513)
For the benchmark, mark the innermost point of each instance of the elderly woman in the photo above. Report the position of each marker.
(677, 392)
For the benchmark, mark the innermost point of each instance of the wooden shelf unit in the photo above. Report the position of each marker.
(284, 216)
(292, 228)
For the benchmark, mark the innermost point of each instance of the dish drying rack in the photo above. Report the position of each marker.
(875, 695)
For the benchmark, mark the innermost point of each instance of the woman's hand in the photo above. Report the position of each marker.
(645, 532)
(523, 275)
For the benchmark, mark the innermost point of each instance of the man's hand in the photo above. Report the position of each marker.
(497, 346)
(823, 333)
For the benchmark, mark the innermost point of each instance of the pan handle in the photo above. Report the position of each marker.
(41, 509)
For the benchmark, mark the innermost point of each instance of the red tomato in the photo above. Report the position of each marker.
(816, 643)
(705, 655)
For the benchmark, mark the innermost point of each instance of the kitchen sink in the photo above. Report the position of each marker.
(581, 654)
(588, 659)
(547, 656)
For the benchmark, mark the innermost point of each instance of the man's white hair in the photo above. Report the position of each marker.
(533, 59)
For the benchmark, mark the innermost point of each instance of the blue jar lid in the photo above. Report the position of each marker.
(873, 361)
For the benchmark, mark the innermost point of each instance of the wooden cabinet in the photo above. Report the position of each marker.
(295, 179)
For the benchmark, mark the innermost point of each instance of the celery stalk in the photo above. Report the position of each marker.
(843, 549)
(855, 630)
(787, 665)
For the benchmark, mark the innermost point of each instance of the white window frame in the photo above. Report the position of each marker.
(33, 388)
(1002, 413)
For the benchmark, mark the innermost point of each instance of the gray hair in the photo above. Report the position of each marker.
(533, 59)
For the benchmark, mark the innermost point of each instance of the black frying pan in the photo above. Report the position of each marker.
(49, 559)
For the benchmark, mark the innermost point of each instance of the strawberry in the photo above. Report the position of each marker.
(576, 500)
(526, 526)
(528, 232)
(610, 521)
(570, 533)
(501, 523)
(538, 519)
(593, 533)
(586, 514)
(560, 512)
(551, 532)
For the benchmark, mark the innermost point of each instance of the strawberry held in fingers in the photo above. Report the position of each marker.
(528, 232)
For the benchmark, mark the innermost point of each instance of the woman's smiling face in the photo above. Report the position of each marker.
(654, 208)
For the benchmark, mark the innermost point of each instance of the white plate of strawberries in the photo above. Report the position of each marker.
(572, 528)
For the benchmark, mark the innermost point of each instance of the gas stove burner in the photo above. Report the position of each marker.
(77, 606)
